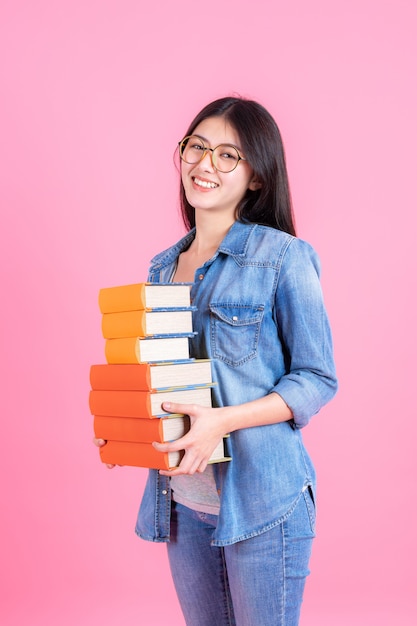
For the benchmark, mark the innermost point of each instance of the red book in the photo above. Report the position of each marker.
(134, 429)
(149, 376)
(144, 403)
(145, 455)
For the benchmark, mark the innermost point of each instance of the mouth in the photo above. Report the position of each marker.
(205, 184)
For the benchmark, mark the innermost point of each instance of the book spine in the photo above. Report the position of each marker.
(122, 298)
(120, 403)
(127, 429)
(121, 376)
(123, 351)
(124, 324)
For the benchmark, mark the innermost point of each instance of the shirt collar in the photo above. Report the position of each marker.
(236, 241)
(234, 244)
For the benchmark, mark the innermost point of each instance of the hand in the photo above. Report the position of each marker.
(207, 429)
(99, 443)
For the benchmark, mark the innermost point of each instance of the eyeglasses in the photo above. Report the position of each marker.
(225, 158)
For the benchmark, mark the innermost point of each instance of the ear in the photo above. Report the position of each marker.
(254, 184)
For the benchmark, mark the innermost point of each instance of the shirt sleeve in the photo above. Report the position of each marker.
(303, 326)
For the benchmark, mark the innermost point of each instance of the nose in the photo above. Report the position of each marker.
(209, 152)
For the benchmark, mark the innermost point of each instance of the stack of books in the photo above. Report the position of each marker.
(146, 328)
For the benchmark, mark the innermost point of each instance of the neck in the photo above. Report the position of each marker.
(210, 232)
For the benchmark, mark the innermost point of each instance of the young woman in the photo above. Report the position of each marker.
(239, 533)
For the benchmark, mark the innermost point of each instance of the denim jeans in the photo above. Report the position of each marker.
(256, 582)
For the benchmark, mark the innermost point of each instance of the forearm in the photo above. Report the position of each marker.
(269, 409)
(209, 425)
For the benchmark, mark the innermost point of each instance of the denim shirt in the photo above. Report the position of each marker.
(261, 319)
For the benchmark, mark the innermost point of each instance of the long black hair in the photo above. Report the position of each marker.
(262, 146)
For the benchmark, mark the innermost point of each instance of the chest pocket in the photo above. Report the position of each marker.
(234, 331)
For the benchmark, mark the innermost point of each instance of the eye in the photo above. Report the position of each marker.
(228, 153)
(195, 144)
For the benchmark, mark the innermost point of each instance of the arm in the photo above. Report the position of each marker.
(301, 318)
(209, 425)
(308, 383)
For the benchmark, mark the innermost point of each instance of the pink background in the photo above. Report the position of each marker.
(94, 95)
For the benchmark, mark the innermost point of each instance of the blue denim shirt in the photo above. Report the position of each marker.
(261, 319)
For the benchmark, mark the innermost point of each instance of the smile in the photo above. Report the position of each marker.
(204, 183)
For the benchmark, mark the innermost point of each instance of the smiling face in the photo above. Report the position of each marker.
(206, 188)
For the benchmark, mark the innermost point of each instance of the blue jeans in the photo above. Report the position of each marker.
(256, 582)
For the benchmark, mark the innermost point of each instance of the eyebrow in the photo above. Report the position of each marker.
(222, 143)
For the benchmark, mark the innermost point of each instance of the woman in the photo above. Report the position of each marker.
(239, 534)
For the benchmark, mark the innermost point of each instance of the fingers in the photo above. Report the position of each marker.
(172, 446)
(99, 443)
(198, 443)
(185, 468)
(193, 460)
(182, 409)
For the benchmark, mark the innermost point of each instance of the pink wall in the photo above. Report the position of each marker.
(89, 91)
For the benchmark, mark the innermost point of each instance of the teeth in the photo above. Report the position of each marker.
(205, 184)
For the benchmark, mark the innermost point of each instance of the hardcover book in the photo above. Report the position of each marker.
(134, 429)
(145, 455)
(149, 376)
(147, 322)
(146, 349)
(145, 403)
(144, 296)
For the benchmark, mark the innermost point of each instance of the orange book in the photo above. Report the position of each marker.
(148, 376)
(144, 296)
(140, 430)
(144, 403)
(144, 350)
(145, 455)
(146, 323)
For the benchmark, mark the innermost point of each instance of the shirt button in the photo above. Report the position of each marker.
(201, 276)
(164, 492)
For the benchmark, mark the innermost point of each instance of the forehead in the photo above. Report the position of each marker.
(216, 130)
